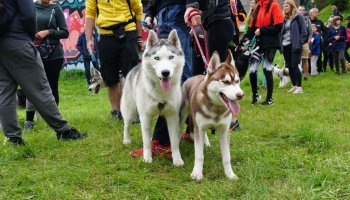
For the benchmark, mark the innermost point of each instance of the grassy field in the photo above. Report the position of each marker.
(297, 149)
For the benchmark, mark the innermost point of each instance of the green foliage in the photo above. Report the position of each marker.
(341, 4)
(325, 13)
(296, 149)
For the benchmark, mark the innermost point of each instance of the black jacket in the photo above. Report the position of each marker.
(23, 26)
(321, 29)
(212, 11)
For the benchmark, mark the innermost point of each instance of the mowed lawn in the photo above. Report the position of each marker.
(298, 148)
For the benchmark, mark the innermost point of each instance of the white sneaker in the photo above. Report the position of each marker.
(293, 89)
(299, 90)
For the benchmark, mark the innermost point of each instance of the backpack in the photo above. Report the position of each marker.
(6, 17)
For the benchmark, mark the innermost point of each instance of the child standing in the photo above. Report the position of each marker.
(88, 56)
(315, 49)
(337, 36)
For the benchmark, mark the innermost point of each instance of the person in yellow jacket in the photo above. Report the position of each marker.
(119, 24)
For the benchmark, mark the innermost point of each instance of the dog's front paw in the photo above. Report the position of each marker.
(197, 176)
(147, 159)
(126, 141)
(178, 162)
(231, 175)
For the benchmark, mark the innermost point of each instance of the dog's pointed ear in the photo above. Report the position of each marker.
(214, 62)
(229, 59)
(151, 40)
(174, 39)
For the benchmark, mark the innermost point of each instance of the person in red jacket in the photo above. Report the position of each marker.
(265, 26)
(347, 57)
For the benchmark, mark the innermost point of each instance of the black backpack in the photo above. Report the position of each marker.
(6, 16)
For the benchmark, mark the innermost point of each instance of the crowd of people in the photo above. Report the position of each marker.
(307, 44)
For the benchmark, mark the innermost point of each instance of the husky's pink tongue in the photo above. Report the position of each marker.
(165, 84)
(234, 106)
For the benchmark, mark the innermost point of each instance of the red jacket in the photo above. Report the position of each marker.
(264, 19)
(348, 35)
(270, 25)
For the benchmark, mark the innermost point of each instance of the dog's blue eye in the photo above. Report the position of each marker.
(171, 57)
(156, 58)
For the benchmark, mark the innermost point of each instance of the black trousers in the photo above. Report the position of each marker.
(339, 56)
(328, 57)
(219, 34)
(52, 69)
(347, 57)
(292, 61)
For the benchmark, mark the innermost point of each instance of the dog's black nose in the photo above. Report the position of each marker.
(165, 73)
(239, 95)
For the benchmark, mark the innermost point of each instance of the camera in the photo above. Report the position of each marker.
(119, 31)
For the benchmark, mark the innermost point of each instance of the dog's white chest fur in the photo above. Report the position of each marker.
(153, 89)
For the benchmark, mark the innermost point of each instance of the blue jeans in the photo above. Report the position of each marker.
(170, 18)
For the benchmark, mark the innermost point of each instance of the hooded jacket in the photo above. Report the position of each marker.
(298, 33)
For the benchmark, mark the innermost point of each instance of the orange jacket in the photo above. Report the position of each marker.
(264, 19)
(269, 23)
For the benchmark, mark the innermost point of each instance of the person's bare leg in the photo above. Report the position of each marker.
(114, 95)
(306, 67)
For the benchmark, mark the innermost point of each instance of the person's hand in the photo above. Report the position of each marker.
(257, 32)
(140, 46)
(42, 34)
(192, 17)
(90, 45)
(336, 37)
(149, 22)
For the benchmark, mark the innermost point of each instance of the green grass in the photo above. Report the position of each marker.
(297, 149)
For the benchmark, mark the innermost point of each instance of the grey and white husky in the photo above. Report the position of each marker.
(152, 89)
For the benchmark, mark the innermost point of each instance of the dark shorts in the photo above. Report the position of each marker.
(117, 56)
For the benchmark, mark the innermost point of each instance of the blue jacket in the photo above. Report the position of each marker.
(298, 32)
(337, 45)
(315, 47)
(82, 47)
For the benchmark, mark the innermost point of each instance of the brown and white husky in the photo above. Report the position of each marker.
(210, 101)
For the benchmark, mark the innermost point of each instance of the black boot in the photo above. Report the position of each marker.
(269, 84)
(254, 85)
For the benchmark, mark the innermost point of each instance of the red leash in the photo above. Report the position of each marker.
(205, 56)
(198, 46)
